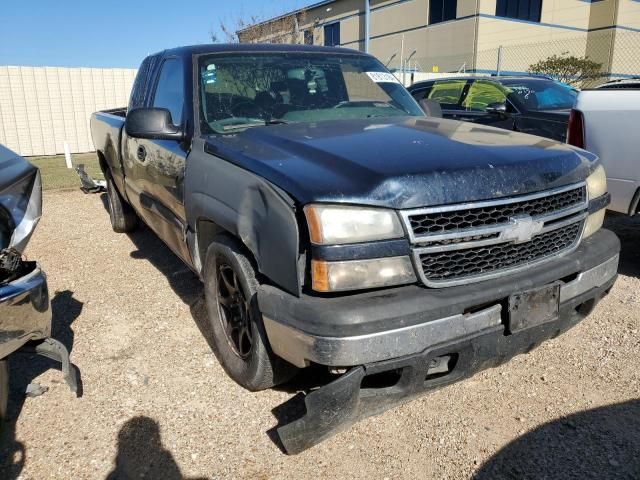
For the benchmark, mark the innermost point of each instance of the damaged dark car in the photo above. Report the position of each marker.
(25, 313)
(334, 224)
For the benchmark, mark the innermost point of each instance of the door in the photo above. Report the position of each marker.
(158, 166)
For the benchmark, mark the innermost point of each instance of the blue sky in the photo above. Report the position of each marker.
(115, 33)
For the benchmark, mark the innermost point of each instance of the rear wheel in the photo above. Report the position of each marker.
(240, 341)
(123, 218)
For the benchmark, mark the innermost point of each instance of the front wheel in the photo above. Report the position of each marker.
(239, 338)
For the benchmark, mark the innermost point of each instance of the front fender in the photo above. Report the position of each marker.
(244, 204)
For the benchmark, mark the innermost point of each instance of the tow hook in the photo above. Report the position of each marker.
(55, 350)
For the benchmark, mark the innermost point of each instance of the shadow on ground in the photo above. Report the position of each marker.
(141, 453)
(24, 368)
(628, 230)
(188, 287)
(186, 284)
(594, 444)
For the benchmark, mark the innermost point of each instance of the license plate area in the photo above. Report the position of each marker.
(534, 307)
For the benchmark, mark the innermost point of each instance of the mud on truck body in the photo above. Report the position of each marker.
(333, 223)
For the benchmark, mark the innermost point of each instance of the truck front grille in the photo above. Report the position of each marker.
(438, 267)
(458, 244)
(446, 221)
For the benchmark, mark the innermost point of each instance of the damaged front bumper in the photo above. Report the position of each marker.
(432, 338)
(25, 321)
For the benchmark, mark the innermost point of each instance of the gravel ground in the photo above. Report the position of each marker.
(157, 404)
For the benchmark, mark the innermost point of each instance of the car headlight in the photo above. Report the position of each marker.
(596, 188)
(337, 224)
(361, 274)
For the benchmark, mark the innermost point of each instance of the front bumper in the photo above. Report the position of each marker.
(25, 322)
(377, 326)
(24, 311)
(371, 389)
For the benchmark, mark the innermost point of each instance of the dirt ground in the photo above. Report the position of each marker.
(156, 403)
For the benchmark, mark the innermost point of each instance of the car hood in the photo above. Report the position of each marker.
(401, 162)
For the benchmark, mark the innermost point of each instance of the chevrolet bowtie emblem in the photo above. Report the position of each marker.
(521, 229)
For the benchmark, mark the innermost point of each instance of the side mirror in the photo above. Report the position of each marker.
(152, 123)
(431, 108)
(497, 108)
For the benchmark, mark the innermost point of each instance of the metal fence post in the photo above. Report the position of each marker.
(499, 65)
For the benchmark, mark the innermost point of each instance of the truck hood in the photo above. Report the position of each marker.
(401, 162)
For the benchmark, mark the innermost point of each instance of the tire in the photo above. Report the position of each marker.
(123, 218)
(4, 391)
(239, 339)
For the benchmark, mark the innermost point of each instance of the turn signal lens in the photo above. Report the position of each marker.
(361, 274)
(594, 223)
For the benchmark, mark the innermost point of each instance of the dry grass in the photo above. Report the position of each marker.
(56, 175)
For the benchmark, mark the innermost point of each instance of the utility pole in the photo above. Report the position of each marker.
(402, 58)
(367, 19)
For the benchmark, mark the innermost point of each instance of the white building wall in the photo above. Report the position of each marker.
(43, 107)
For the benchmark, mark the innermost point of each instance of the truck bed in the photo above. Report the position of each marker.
(106, 132)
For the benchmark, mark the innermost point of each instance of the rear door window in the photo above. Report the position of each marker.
(170, 89)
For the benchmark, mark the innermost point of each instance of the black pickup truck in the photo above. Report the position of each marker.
(334, 224)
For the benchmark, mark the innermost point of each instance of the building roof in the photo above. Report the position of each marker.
(288, 14)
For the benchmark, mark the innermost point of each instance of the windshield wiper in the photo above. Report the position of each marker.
(236, 126)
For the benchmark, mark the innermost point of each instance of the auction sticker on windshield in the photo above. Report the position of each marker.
(383, 77)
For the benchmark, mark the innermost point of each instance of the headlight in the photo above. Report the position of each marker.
(596, 187)
(360, 274)
(336, 224)
(597, 183)
(23, 202)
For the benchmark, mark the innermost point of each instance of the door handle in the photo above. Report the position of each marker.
(141, 153)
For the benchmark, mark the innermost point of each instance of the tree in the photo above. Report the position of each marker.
(569, 69)
(254, 29)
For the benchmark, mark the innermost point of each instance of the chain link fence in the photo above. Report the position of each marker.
(617, 52)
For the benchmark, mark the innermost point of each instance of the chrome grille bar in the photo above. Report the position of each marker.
(520, 239)
(467, 232)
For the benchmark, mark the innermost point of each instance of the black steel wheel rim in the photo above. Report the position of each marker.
(235, 313)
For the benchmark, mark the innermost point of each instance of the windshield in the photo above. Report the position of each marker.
(242, 91)
(540, 94)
